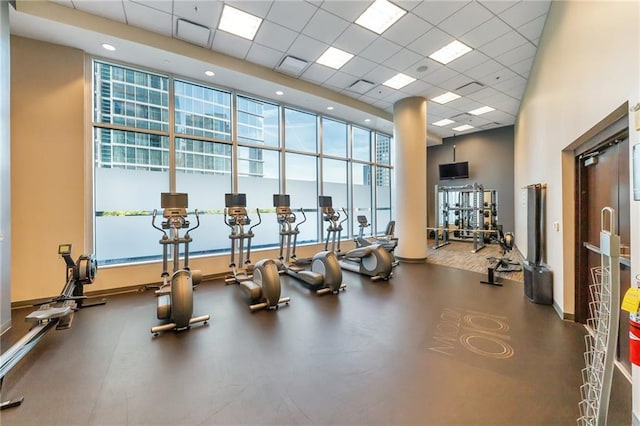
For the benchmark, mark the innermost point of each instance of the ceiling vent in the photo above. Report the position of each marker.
(361, 86)
(462, 117)
(469, 88)
(292, 65)
(193, 33)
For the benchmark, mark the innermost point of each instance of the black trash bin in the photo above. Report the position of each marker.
(538, 283)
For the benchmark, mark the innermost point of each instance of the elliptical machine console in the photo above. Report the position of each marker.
(175, 295)
(325, 275)
(373, 260)
(260, 283)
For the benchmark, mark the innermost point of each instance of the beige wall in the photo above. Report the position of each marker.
(587, 65)
(47, 157)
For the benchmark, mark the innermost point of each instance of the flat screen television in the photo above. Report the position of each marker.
(454, 170)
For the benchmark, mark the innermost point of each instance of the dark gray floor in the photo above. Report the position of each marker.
(430, 347)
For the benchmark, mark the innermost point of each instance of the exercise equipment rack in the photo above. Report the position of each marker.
(460, 213)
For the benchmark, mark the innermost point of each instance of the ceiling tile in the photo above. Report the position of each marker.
(503, 44)
(486, 94)
(258, 8)
(465, 19)
(317, 73)
(518, 54)
(354, 39)
(395, 97)
(484, 33)
(149, 19)
(264, 56)
(230, 44)
(488, 67)
(307, 48)
(428, 43)
(358, 66)
(502, 117)
(281, 12)
(325, 26)
(340, 80)
(275, 36)
(524, 11)
(532, 29)
(506, 85)
(417, 88)
(380, 74)
(109, 9)
(436, 12)
(403, 61)
(162, 5)
(200, 12)
(349, 9)
(468, 61)
(522, 67)
(497, 6)
(380, 92)
(453, 83)
(380, 50)
(441, 75)
(407, 29)
(408, 5)
(441, 110)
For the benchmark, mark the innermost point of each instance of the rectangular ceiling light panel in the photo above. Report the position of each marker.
(239, 23)
(334, 58)
(451, 51)
(482, 110)
(463, 128)
(380, 16)
(447, 97)
(399, 81)
(443, 122)
(193, 33)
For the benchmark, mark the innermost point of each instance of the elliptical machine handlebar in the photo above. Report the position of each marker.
(153, 223)
(346, 217)
(256, 224)
(304, 218)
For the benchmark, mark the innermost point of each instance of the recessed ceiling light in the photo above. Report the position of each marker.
(482, 110)
(443, 122)
(108, 47)
(240, 23)
(451, 51)
(334, 58)
(399, 81)
(447, 97)
(367, 120)
(380, 16)
(463, 128)
(330, 108)
(279, 93)
(210, 73)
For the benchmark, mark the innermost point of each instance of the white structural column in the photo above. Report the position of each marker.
(410, 135)
(5, 170)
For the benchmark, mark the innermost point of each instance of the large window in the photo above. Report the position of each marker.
(131, 166)
(301, 130)
(334, 138)
(197, 143)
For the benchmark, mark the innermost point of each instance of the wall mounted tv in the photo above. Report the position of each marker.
(454, 170)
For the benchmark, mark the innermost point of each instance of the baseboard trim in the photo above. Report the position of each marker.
(563, 315)
(411, 260)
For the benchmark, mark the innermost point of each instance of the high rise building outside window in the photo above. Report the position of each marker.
(137, 155)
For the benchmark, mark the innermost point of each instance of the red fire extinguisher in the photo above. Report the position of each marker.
(634, 339)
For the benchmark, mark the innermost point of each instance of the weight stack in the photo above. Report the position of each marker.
(538, 283)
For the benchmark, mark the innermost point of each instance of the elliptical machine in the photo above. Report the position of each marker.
(175, 295)
(325, 275)
(56, 312)
(260, 283)
(373, 261)
(388, 241)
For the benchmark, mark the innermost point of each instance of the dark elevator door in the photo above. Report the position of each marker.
(605, 182)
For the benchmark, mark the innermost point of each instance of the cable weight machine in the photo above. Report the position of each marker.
(465, 213)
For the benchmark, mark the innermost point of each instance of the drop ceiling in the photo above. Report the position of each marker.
(504, 36)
